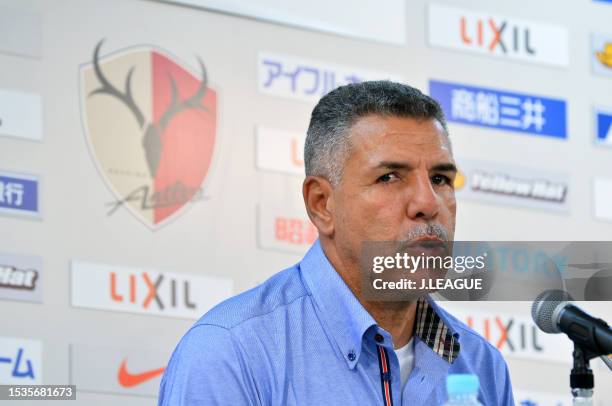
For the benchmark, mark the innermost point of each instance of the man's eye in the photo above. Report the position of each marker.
(388, 177)
(440, 180)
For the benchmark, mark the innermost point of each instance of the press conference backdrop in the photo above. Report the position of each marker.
(132, 198)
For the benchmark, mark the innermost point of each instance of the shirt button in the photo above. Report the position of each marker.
(379, 338)
(351, 356)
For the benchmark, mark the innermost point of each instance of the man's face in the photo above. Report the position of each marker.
(397, 184)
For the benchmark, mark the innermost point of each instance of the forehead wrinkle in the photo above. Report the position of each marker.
(430, 138)
(443, 142)
(366, 138)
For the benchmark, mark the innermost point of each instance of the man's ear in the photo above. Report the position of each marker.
(319, 201)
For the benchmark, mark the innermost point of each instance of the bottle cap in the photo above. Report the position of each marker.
(462, 384)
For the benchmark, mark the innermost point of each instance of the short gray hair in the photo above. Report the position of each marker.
(327, 140)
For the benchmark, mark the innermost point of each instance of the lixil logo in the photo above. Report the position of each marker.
(515, 335)
(497, 35)
(143, 290)
(134, 290)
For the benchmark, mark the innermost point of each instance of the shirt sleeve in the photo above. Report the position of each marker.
(207, 368)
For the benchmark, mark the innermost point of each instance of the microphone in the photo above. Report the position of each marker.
(553, 312)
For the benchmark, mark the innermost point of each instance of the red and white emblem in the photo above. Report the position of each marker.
(151, 125)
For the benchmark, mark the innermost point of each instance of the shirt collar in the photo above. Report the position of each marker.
(434, 329)
(347, 320)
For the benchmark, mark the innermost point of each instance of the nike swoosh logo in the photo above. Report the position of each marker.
(128, 380)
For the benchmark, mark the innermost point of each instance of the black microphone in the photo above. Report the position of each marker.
(553, 312)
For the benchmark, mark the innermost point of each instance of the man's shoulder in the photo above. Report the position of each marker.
(280, 290)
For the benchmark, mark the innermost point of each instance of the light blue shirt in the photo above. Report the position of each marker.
(303, 338)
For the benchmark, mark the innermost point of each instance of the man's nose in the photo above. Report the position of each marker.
(423, 201)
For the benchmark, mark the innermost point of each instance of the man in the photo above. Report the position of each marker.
(379, 167)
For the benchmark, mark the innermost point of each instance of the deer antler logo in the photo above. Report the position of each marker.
(177, 147)
(152, 138)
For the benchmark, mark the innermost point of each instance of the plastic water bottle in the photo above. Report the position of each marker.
(462, 390)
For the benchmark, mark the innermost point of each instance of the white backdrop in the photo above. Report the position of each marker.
(251, 223)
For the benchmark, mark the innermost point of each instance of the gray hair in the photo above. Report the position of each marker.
(327, 140)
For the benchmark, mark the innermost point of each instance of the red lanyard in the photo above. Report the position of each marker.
(385, 375)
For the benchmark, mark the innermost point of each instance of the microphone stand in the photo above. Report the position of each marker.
(581, 377)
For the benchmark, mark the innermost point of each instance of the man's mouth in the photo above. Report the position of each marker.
(429, 245)
(428, 238)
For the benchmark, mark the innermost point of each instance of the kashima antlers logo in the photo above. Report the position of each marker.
(153, 137)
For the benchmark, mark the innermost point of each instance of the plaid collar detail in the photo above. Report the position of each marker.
(431, 329)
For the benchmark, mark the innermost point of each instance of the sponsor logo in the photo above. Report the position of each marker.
(499, 36)
(601, 54)
(126, 289)
(511, 185)
(514, 336)
(603, 127)
(129, 380)
(602, 199)
(151, 126)
(20, 114)
(483, 107)
(459, 182)
(13, 278)
(129, 371)
(527, 334)
(19, 194)
(527, 188)
(20, 361)
(152, 289)
(20, 278)
(605, 55)
(280, 151)
(285, 230)
(302, 79)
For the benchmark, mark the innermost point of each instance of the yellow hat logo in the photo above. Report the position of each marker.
(459, 180)
(605, 57)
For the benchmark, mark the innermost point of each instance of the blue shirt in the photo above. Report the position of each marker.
(303, 338)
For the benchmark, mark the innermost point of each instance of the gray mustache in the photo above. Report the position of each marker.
(427, 230)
